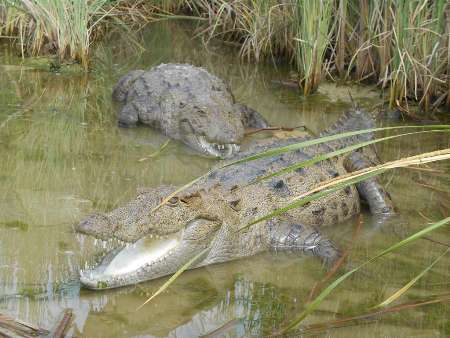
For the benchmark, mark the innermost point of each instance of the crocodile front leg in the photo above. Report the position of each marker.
(295, 237)
(371, 190)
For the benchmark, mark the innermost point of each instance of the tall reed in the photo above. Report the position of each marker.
(312, 20)
(403, 45)
(64, 27)
(417, 62)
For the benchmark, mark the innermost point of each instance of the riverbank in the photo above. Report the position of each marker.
(402, 46)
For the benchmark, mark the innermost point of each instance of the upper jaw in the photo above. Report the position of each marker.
(97, 225)
(221, 150)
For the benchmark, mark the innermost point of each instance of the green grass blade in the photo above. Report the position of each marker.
(438, 155)
(318, 300)
(155, 153)
(320, 140)
(350, 179)
(408, 285)
(359, 319)
(348, 149)
(174, 276)
(315, 196)
(292, 147)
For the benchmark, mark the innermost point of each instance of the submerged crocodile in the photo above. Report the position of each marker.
(188, 104)
(209, 215)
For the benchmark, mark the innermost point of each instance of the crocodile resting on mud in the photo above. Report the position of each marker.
(209, 214)
(188, 104)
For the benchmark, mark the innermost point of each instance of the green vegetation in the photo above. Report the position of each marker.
(16, 224)
(401, 45)
(65, 28)
(406, 287)
(313, 305)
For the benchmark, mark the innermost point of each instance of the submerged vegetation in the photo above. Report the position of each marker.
(403, 46)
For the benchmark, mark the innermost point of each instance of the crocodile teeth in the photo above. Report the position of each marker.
(217, 149)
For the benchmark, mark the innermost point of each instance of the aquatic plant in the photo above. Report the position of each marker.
(327, 187)
(312, 19)
(64, 27)
(404, 46)
(313, 305)
(401, 45)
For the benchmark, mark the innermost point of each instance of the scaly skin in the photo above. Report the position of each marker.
(188, 104)
(209, 215)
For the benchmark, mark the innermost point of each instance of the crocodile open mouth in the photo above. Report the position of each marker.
(217, 149)
(151, 257)
(126, 261)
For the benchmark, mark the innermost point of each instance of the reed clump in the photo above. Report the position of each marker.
(403, 45)
(67, 28)
(62, 27)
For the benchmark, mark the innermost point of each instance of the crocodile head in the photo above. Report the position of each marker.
(214, 129)
(186, 103)
(157, 242)
(152, 256)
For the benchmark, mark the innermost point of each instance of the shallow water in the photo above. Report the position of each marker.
(63, 157)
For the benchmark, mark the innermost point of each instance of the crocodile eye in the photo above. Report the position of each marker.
(173, 201)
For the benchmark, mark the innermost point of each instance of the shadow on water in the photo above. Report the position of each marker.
(63, 157)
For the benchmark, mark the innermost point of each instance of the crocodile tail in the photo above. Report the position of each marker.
(350, 121)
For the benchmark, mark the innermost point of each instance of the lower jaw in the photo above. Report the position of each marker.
(95, 278)
(110, 283)
(118, 281)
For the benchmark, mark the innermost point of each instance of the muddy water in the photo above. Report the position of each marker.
(62, 157)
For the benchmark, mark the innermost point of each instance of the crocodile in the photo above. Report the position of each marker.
(186, 103)
(209, 218)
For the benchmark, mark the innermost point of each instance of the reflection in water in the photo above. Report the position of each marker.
(238, 298)
(62, 157)
(239, 313)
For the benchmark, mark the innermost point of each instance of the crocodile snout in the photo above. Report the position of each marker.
(97, 225)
